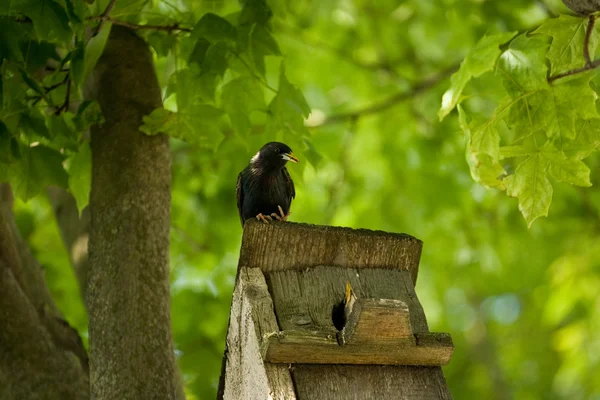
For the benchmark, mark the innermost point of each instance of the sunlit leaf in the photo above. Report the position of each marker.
(80, 176)
(482, 150)
(481, 58)
(94, 48)
(531, 186)
(572, 171)
(568, 36)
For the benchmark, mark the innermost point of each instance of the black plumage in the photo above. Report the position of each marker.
(264, 188)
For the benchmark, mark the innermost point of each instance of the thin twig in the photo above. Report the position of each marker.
(48, 89)
(588, 67)
(105, 15)
(167, 28)
(65, 105)
(54, 69)
(390, 102)
(586, 42)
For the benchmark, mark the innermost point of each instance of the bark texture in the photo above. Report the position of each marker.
(131, 348)
(41, 356)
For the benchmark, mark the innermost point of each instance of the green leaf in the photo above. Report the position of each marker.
(215, 61)
(481, 58)
(156, 122)
(77, 68)
(38, 167)
(10, 35)
(563, 169)
(255, 11)
(32, 83)
(75, 11)
(38, 55)
(240, 97)
(514, 151)
(199, 125)
(62, 131)
(531, 186)
(190, 87)
(88, 113)
(33, 124)
(260, 44)
(288, 109)
(523, 65)
(568, 38)
(214, 29)
(567, 100)
(50, 20)
(587, 139)
(80, 176)
(94, 49)
(482, 150)
(198, 54)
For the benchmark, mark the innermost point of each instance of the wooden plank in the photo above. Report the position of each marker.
(301, 347)
(344, 382)
(377, 320)
(305, 299)
(290, 246)
(247, 376)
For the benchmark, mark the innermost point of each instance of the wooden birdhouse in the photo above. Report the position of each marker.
(330, 313)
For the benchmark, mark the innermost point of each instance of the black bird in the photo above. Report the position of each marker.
(264, 188)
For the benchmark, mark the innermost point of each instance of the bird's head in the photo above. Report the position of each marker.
(273, 156)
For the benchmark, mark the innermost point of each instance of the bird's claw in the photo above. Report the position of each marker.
(264, 218)
(281, 216)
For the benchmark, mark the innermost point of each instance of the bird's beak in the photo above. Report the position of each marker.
(289, 157)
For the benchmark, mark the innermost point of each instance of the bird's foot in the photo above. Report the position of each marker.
(281, 216)
(264, 218)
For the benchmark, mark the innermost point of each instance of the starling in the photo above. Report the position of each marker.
(264, 188)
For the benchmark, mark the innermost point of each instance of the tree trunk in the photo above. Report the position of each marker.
(131, 348)
(41, 356)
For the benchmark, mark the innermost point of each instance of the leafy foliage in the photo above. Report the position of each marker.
(541, 110)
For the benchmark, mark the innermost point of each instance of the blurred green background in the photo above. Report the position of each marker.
(522, 305)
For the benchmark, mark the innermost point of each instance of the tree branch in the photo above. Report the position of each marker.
(105, 15)
(46, 358)
(589, 64)
(168, 28)
(588, 67)
(65, 104)
(390, 102)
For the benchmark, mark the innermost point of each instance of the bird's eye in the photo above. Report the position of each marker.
(277, 151)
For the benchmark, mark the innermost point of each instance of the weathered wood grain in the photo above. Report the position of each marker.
(354, 382)
(304, 347)
(305, 299)
(377, 320)
(290, 246)
(247, 376)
